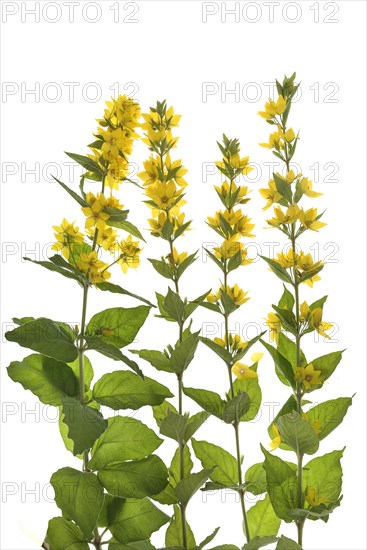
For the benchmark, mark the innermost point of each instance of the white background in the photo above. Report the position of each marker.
(171, 53)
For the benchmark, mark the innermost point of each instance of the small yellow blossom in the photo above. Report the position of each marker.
(290, 259)
(275, 327)
(273, 108)
(308, 376)
(243, 372)
(257, 356)
(313, 498)
(270, 194)
(309, 221)
(291, 215)
(276, 441)
(320, 325)
(129, 251)
(236, 294)
(66, 235)
(306, 186)
(175, 258)
(235, 342)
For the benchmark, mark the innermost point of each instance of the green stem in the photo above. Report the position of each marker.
(81, 363)
(238, 456)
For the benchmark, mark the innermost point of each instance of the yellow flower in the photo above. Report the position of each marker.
(306, 186)
(273, 108)
(320, 325)
(176, 170)
(107, 239)
(313, 498)
(237, 295)
(270, 194)
(314, 279)
(66, 235)
(96, 269)
(123, 111)
(289, 135)
(275, 327)
(94, 212)
(306, 263)
(163, 194)
(243, 372)
(156, 224)
(290, 259)
(129, 254)
(150, 175)
(237, 162)
(244, 227)
(176, 259)
(291, 176)
(118, 169)
(308, 376)
(245, 259)
(228, 248)
(230, 216)
(309, 221)
(275, 141)
(235, 343)
(291, 215)
(276, 441)
(115, 143)
(212, 298)
(304, 312)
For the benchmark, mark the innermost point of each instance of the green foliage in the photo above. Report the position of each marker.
(117, 326)
(298, 433)
(46, 336)
(63, 534)
(262, 519)
(85, 424)
(329, 414)
(212, 456)
(174, 532)
(125, 390)
(48, 379)
(283, 367)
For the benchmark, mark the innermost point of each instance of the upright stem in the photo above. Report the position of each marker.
(180, 410)
(81, 364)
(236, 425)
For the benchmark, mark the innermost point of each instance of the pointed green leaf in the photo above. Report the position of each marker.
(235, 408)
(184, 353)
(85, 424)
(188, 486)
(281, 482)
(282, 365)
(124, 439)
(174, 532)
(262, 520)
(79, 495)
(65, 535)
(329, 415)
(224, 464)
(46, 336)
(111, 351)
(208, 400)
(285, 543)
(175, 465)
(72, 193)
(219, 350)
(259, 542)
(134, 520)
(125, 390)
(118, 326)
(323, 475)
(298, 433)
(48, 379)
(116, 289)
(255, 479)
(251, 387)
(174, 426)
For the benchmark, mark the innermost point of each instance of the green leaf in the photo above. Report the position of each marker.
(252, 388)
(228, 304)
(184, 353)
(281, 482)
(262, 520)
(85, 424)
(46, 336)
(287, 319)
(212, 456)
(278, 270)
(125, 390)
(124, 439)
(208, 400)
(140, 545)
(285, 543)
(235, 408)
(72, 193)
(219, 350)
(174, 532)
(128, 227)
(287, 300)
(48, 379)
(175, 465)
(160, 411)
(283, 188)
(118, 326)
(134, 520)
(66, 272)
(288, 349)
(174, 306)
(194, 423)
(191, 258)
(298, 433)
(111, 351)
(162, 268)
(208, 539)
(327, 364)
(259, 542)
(65, 535)
(86, 162)
(282, 366)
(188, 486)
(255, 479)
(88, 371)
(156, 358)
(136, 478)
(174, 426)
(329, 414)
(167, 496)
(79, 495)
(324, 475)
(116, 289)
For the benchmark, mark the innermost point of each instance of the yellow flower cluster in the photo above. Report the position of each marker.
(163, 178)
(302, 263)
(108, 165)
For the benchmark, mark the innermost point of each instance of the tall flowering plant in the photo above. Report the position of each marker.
(298, 491)
(164, 184)
(106, 500)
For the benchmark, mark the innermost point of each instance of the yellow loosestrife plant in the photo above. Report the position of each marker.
(298, 491)
(110, 501)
